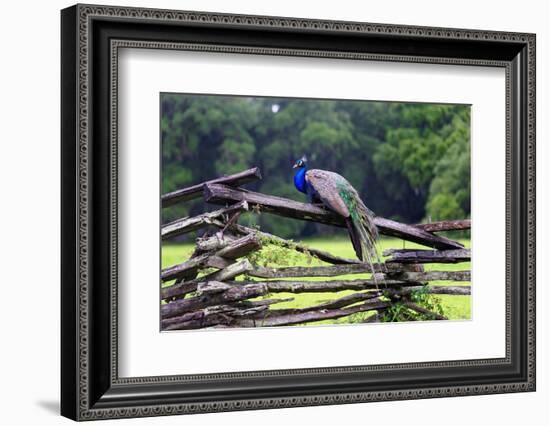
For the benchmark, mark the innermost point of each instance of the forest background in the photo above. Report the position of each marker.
(410, 162)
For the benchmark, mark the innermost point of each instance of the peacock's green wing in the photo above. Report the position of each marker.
(353, 201)
(328, 187)
(340, 196)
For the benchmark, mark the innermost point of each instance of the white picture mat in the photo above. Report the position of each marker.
(144, 351)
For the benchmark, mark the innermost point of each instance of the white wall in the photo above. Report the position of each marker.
(29, 164)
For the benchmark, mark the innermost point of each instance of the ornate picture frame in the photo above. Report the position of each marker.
(90, 39)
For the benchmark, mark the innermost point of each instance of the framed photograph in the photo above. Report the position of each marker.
(263, 212)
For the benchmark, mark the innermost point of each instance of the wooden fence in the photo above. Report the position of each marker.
(228, 296)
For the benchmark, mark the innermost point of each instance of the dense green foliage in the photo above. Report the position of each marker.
(408, 161)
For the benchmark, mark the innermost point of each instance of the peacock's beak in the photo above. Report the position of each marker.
(295, 166)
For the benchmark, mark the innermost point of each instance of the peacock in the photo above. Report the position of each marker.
(335, 193)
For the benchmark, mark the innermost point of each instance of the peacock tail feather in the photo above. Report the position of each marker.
(363, 222)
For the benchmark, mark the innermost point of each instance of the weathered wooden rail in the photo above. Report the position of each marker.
(234, 292)
(195, 191)
(221, 194)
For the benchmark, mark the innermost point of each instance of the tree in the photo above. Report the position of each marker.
(449, 196)
(407, 161)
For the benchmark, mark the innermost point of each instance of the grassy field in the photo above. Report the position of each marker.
(454, 307)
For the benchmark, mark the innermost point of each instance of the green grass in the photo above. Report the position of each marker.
(454, 307)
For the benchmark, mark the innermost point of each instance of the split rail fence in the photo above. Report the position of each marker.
(233, 292)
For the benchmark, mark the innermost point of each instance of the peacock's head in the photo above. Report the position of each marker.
(300, 163)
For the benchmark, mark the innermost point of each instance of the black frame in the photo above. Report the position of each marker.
(90, 386)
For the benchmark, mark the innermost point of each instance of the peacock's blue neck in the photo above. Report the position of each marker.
(300, 180)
